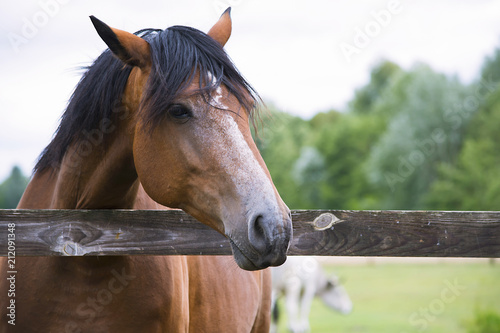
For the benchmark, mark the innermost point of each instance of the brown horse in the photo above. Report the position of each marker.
(160, 119)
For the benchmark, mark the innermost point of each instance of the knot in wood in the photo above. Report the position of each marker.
(325, 221)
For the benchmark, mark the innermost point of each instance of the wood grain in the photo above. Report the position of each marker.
(346, 233)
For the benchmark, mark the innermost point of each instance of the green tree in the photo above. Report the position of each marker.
(490, 71)
(12, 188)
(473, 182)
(381, 77)
(309, 173)
(427, 113)
(344, 144)
(280, 143)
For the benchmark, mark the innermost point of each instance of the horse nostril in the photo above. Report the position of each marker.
(269, 238)
(257, 233)
(258, 225)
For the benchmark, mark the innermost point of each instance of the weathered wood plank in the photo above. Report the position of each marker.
(109, 232)
(358, 233)
(401, 234)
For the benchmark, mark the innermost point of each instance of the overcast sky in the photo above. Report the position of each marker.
(303, 56)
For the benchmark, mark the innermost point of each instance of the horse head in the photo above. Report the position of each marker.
(334, 295)
(190, 114)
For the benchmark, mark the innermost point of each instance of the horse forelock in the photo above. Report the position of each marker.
(182, 54)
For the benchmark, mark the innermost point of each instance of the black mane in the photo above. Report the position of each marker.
(178, 53)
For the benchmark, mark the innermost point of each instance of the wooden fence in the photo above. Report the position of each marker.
(323, 233)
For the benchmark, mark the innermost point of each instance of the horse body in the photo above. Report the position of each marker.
(245, 308)
(101, 295)
(126, 163)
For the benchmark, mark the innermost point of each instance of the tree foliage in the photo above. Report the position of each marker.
(381, 76)
(12, 189)
(473, 182)
(421, 132)
(280, 144)
(410, 139)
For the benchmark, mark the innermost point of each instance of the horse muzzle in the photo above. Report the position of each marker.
(264, 243)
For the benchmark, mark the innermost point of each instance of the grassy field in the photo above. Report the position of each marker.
(406, 298)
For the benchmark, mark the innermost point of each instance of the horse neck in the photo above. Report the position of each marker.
(106, 178)
(92, 175)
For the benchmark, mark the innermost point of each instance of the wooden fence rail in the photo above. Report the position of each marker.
(324, 233)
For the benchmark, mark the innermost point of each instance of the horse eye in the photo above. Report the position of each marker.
(180, 112)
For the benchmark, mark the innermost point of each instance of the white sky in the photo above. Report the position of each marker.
(288, 50)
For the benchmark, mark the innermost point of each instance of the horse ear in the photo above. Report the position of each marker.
(129, 48)
(222, 29)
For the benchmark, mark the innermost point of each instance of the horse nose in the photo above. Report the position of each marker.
(270, 238)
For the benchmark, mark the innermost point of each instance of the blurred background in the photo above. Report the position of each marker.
(369, 105)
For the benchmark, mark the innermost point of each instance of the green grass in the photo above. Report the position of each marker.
(406, 298)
